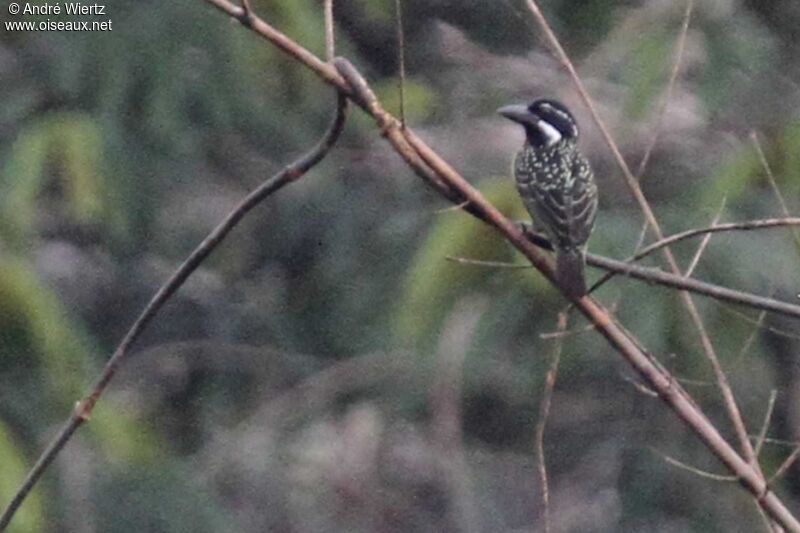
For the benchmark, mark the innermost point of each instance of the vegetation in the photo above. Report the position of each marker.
(300, 380)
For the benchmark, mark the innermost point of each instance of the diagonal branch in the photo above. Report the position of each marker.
(83, 410)
(773, 184)
(673, 77)
(544, 413)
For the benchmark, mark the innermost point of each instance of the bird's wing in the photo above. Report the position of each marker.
(581, 202)
(566, 211)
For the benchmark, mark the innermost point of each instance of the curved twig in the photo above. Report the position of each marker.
(747, 225)
(83, 409)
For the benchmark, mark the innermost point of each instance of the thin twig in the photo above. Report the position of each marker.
(445, 401)
(777, 442)
(247, 8)
(83, 409)
(704, 242)
(657, 276)
(762, 435)
(692, 469)
(330, 39)
(562, 334)
(401, 60)
(485, 263)
(673, 77)
(717, 292)
(759, 322)
(747, 225)
(647, 391)
(452, 208)
(785, 466)
(544, 412)
(753, 334)
(774, 184)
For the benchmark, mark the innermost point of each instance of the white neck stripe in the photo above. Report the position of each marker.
(550, 133)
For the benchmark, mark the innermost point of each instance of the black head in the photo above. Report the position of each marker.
(546, 122)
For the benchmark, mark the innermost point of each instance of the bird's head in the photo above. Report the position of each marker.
(546, 122)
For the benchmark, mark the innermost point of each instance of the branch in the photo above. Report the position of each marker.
(330, 42)
(659, 277)
(747, 225)
(673, 77)
(718, 292)
(544, 412)
(773, 184)
(83, 409)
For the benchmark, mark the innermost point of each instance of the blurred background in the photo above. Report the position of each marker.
(328, 369)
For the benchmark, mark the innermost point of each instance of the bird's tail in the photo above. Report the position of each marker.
(570, 264)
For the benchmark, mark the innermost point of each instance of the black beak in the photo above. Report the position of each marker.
(520, 114)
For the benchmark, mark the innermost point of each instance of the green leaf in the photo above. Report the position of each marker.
(434, 284)
(12, 473)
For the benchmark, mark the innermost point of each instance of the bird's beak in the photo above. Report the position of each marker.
(520, 114)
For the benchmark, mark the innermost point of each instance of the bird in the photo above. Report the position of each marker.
(557, 185)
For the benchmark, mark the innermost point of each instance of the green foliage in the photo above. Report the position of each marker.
(733, 54)
(434, 284)
(30, 517)
(420, 100)
(69, 147)
(35, 325)
(734, 177)
(36, 333)
(645, 72)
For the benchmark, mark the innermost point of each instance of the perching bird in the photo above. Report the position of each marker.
(556, 185)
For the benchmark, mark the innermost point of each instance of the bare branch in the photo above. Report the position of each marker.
(544, 412)
(83, 409)
(452, 208)
(673, 77)
(330, 39)
(485, 263)
(747, 225)
(785, 466)
(639, 386)
(774, 184)
(704, 242)
(247, 9)
(762, 436)
(694, 470)
(654, 275)
(401, 60)
(759, 323)
(445, 401)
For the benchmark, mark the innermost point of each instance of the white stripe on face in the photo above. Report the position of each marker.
(551, 134)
